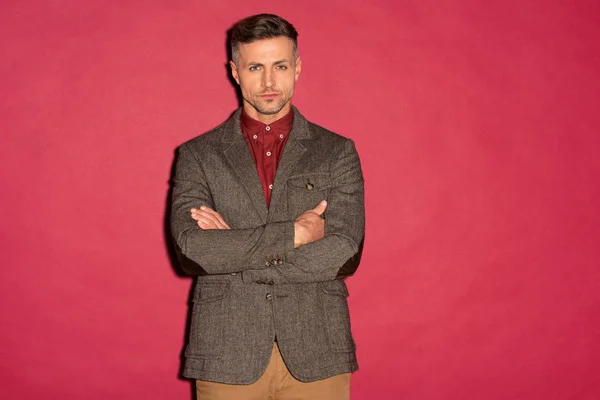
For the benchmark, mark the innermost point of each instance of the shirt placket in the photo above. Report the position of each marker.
(269, 159)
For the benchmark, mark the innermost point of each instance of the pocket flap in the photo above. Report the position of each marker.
(310, 182)
(336, 287)
(210, 291)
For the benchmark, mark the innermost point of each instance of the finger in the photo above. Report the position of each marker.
(217, 215)
(203, 208)
(205, 225)
(195, 215)
(320, 208)
(213, 219)
(194, 212)
(207, 218)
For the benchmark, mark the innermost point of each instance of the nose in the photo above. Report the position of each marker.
(268, 78)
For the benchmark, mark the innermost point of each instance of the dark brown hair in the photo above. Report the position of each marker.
(261, 26)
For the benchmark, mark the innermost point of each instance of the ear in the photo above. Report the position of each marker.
(298, 68)
(234, 72)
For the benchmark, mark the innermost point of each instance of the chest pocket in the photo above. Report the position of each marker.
(306, 191)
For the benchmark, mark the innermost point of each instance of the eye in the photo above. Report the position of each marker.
(282, 67)
(254, 68)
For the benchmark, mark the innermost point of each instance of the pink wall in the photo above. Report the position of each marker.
(477, 123)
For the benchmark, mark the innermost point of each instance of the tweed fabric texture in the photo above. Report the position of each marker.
(252, 284)
(277, 384)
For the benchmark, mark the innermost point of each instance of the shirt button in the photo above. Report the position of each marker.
(269, 296)
(255, 136)
(268, 128)
(268, 153)
(280, 136)
(271, 186)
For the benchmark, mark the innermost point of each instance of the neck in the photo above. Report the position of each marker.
(266, 118)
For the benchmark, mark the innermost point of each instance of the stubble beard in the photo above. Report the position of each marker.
(269, 107)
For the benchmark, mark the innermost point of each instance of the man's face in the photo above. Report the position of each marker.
(267, 73)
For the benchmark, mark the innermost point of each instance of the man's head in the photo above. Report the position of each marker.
(265, 64)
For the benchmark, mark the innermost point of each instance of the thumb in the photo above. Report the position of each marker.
(320, 208)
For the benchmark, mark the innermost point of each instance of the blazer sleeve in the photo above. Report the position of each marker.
(218, 251)
(338, 253)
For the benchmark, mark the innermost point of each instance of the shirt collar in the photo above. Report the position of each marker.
(282, 126)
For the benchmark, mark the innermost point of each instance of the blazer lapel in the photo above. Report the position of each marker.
(239, 157)
(292, 152)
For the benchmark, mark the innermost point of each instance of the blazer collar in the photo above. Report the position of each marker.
(233, 131)
(237, 152)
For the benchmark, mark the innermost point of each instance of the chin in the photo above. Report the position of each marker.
(270, 110)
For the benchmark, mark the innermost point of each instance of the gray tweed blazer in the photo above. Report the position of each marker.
(252, 286)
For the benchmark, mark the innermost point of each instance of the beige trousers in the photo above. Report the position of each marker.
(277, 384)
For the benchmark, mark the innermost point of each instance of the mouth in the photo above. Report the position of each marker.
(269, 95)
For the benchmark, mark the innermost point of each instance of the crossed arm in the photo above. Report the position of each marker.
(308, 227)
(309, 249)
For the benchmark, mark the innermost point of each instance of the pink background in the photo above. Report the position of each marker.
(477, 124)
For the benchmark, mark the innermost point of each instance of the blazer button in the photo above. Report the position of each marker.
(280, 261)
(267, 263)
(269, 296)
(310, 186)
(273, 262)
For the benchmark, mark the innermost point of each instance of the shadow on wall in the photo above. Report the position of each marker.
(177, 268)
(179, 262)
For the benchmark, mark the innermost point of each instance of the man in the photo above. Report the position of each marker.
(268, 212)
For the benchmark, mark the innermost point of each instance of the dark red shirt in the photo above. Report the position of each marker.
(266, 143)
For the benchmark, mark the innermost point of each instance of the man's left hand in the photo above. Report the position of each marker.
(208, 218)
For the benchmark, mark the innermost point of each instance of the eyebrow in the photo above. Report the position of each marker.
(257, 64)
